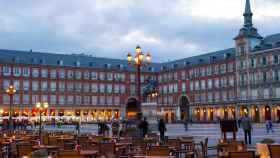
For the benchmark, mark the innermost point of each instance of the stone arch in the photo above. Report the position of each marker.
(184, 105)
(267, 113)
(133, 108)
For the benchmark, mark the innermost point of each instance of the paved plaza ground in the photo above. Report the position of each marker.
(199, 131)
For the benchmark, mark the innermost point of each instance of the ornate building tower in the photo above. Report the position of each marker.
(245, 42)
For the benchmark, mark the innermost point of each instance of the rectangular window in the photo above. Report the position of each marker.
(70, 74)
(94, 100)
(203, 85)
(123, 89)
(25, 72)
(86, 75)
(94, 75)
(217, 83)
(61, 73)
(35, 99)
(86, 87)
(61, 85)
(70, 86)
(132, 78)
(78, 87)
(16, 71)
(275, 59)
(101, 76)
(16, 99)
(109, 76)
(191, 86)
(78, 75)
(35, 85)
(254, 93)
(94, 88)
(25, 85)
(44, 85)
(264, 61)
(6, 70)
(35, 72)
(6, 84)
(253, 62)
(44, 98)
(102, 88)
(53, 99)
(53, 73)
(109, 88)
(61, 100)
(197, 85)
(266, 93)
(86, 100)
(116, 88)
(184, 87)
(209, 71)
(6, 99)
(70, 100)
(44, 73)
(278, 92)
(53, 86)
(209, 84)
(210, 96)
(78, 100)
(26, 99)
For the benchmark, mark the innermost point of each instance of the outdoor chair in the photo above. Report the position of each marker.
(274, 151)
(69, 154)
(243, 154)
(24, 149)
(158, 151)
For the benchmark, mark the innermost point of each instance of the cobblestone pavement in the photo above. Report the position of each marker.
(199, 131)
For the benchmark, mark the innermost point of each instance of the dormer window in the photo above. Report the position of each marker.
(42, 61)
(60, 62)
(227, 55)
(15, 60)
(175, 66)
(200, 60)
(186, 63)
(91, 64)
(151, 69)
(77, 64)
(163, 67)
(108, 66)
(33, 60)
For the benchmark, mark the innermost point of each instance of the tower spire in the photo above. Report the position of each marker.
(248, 15)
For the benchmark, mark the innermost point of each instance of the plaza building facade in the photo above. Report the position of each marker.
(218, 85)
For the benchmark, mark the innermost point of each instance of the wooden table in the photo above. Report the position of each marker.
(226, 155)
(153, 156)
(89, 153)
(50, 148)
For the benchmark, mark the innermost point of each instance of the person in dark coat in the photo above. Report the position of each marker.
(162, 129)
(143, 127)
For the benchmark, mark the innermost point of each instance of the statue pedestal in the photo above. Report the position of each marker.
(149, 110)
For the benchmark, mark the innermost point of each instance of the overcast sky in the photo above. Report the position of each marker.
(169, 29)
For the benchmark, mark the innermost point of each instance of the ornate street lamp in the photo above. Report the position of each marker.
(139, 60)
(11, 90)
(41, 107)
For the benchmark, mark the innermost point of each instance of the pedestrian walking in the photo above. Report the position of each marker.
(239, 122)
(247, 128)
(115, 128)
(78, 127)
(269, 126)
(143, 127)
(162, 129)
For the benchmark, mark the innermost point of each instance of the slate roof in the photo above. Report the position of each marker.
(86, 61)
(71, 60)
(269, 42)
(200, 59)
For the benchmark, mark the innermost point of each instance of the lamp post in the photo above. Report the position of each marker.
(41, 107)
(11, 90)
(139, 60)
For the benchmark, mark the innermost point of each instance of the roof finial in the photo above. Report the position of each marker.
(248, 7)
(248, 15)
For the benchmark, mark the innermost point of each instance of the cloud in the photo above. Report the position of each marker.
(169, 29)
